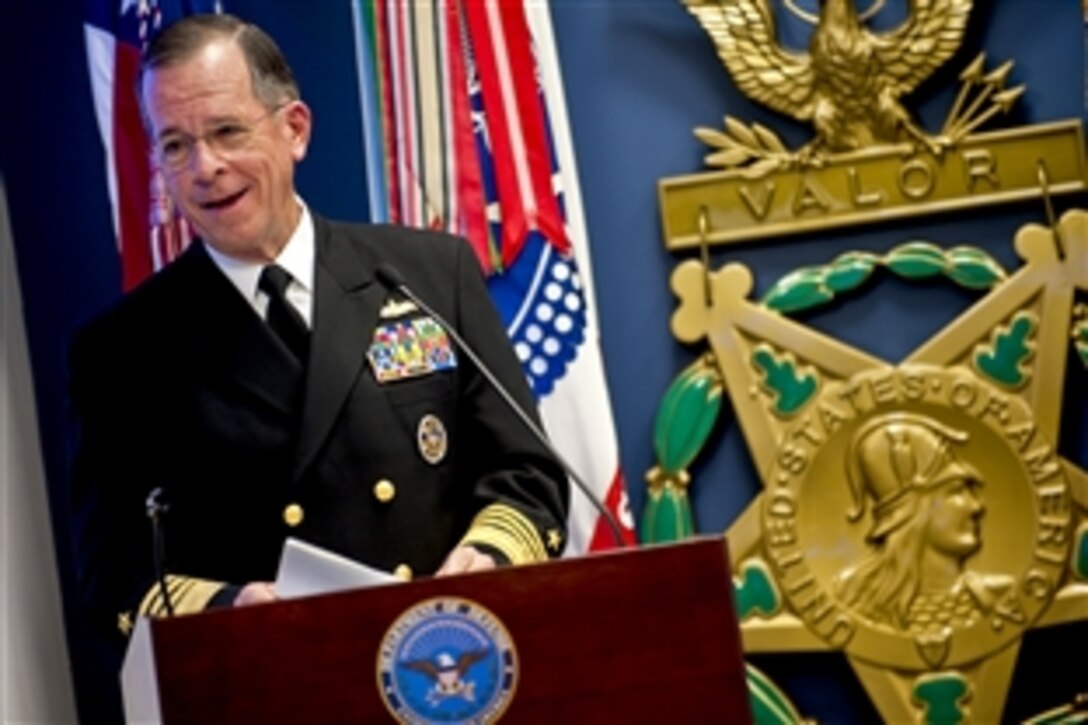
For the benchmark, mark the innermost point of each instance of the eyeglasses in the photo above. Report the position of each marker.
(174, 151)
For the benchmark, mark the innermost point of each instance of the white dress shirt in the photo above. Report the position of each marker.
(297, 257)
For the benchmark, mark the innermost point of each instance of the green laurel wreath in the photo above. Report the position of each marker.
(808, 287)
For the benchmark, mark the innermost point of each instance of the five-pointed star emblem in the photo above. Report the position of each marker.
(947, 458)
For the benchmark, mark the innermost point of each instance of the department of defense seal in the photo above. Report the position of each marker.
(447, 660)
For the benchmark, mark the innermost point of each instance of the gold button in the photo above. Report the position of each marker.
(403, 571)
(384, 490)
(292, 515)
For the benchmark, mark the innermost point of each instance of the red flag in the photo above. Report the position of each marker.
(149, 232)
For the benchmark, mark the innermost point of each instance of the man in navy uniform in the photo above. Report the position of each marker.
(267, 384)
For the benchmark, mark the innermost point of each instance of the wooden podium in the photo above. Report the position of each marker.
(640, 635)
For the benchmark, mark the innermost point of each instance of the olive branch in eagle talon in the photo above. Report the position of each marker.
(849, 83)
(756, 149)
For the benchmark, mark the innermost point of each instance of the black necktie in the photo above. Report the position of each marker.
(282, 316)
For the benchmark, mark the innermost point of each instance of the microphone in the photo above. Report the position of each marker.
(156, 507)
(391, 277)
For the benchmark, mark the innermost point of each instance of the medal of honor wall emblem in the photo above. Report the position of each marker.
(916, 515)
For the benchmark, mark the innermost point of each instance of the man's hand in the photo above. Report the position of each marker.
(464, 559)
(256, 593)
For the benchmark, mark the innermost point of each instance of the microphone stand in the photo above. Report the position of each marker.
(156, 507)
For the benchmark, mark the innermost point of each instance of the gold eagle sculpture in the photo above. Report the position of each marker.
(850, 82)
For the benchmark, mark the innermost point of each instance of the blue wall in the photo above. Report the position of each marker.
(640, 75)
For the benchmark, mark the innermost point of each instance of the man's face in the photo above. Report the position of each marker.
(954, 513)
(236, 187)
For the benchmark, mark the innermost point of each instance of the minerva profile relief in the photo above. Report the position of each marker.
(926, 508)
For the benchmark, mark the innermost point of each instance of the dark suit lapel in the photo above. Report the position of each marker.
(347, 300)
(238, 346)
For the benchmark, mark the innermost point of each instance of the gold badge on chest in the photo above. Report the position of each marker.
(432, 439)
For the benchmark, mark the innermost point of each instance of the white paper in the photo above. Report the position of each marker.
(306, 570)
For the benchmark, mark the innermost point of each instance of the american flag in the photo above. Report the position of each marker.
(149, 231)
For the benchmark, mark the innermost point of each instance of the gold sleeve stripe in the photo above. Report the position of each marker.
(511, 520)
(174, 585)
(509, 531)
(501, 523)
(187, 594)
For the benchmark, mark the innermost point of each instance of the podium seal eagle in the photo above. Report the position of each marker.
(447, 660)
